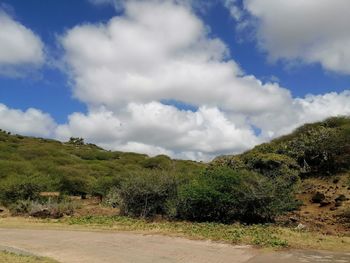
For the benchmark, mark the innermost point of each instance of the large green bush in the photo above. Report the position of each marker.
(16, 188)
(146, 194)
(161, 162)
(75, 182)
(225, 195)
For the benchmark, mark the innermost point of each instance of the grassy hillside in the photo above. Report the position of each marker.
(316, 149)
(256, 186)
(75, 167)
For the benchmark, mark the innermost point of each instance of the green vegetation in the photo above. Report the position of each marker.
(321, 148)
(253, 187)
(6, 257)
(259, 235)
(226, 195)
(44, 208)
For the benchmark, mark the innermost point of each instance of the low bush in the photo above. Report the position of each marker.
(75, 182)
(161, 162)
(226, 195)
(112, 198)
(145, 194)
(16, 188)
(48, 209)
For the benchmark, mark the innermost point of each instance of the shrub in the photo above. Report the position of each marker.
(16, 188)
(162, 162)
(75, 182)
(269, 164)
(48, 209)
(104, 184)
(20, 207)
(145, 194)
(226, 195)
(112, 198)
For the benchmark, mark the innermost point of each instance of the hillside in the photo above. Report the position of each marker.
(321, 148)
(299, 178)
(319, 154)
(75, 167)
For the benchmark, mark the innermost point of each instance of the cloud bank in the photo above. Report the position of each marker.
(159, 51)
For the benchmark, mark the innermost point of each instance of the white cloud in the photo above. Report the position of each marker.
(312, 31)
(160, 50)
(30, 122)
(235, 10)
(158, 128)
(312, 108)
(19, 46)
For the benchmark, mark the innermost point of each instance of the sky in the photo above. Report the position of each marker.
(192, 79)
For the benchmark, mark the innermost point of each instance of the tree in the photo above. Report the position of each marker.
(76, 141)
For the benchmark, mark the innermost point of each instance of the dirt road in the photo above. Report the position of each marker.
(96, 247)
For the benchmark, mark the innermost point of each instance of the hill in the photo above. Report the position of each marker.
(279, 181)
(321, 148)
(75, 167)
(319, 154)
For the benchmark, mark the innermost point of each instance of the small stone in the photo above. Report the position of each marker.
(325, 202)
(293, 219)
(338, 203)
(318, 198)
(300, 227)
(341, 198)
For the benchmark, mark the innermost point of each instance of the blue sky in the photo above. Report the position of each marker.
(52, 87)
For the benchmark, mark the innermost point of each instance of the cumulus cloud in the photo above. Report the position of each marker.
(303, 110)
(157, 128)
(19, 46)
(312, 31)
(159, 50)
(31, 122)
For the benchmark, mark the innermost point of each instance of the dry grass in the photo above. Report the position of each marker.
(258, 235)
(6, 257)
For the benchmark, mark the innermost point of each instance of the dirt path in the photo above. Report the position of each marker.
(96, 247)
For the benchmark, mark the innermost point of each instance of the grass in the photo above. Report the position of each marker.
(6, 257)
(259, 235)
(264, 236)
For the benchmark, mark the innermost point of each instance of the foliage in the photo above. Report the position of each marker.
(76, 184)
(6, 257)
(227, 195)
(258, 235)
(321, 148)
(161, 162)
(76, 141)
(16, 188)
(43, 209)
(146, 194)
(112, 198)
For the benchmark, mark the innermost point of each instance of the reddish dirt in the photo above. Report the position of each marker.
(326, 217)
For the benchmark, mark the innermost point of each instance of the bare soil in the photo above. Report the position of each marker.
(326, 217)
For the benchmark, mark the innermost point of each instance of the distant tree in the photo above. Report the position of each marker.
(76, 141)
